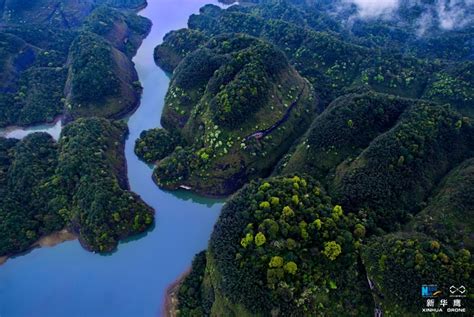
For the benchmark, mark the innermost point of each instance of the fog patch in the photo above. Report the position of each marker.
(453, 14)
(375, 8)
(442, 14)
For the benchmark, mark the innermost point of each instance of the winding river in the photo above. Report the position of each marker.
(66, 280)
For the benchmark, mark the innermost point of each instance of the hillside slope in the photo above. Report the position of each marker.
(237, 105)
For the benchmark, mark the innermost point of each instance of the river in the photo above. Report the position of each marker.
(66, 280)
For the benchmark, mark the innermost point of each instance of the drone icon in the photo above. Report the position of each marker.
(461, 289)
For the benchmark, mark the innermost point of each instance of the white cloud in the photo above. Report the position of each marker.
(374, 8)
(452, 15)
(447, 14)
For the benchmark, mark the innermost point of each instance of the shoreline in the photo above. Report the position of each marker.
(47, 241)
(170, 305)
(190, 189)
(5, 130)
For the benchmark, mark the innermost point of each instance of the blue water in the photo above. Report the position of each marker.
(66, 280)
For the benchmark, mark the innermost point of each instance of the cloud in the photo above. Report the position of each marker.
(424, 23)
(375, 8)
(453, 14)
(446, 14)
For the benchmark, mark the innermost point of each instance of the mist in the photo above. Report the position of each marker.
(375, 8)
(444, 14)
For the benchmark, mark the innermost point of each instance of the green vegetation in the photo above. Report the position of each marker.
(380, 155)
(337, 60)
(79, 183)
(448, 217)
(38, 99)
(393, 146)
(154, 145)
(91, 69)
(396, 173)
(94, 194)
(454, 85)
(124, 31)
(176, 45)
(281, 247)
(25, 169)
(334, 66)
(343, 131)
(399, 263)
(435, 247)
(190, 295)
(32, 84)
(72, 57)
(102, 80)
(237, 105)
(127, 4)
(93, 43)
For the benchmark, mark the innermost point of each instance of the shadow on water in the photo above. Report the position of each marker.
(185, 195)
(130, 239)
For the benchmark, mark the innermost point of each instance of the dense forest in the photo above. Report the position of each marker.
(292, 241)
(344, 133)
(390, 142)
(71, 58)
(26, 167)
(236, 104)
(79, 182)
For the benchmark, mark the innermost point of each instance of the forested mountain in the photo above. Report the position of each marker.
(79, 183)
(390, 142)
(224, 100)
(343, 130)
(71, 58)
(68, 58)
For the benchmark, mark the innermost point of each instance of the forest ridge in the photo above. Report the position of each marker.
(340, 131)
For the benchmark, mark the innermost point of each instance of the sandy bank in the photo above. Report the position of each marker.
(54, 239)
(170, 306)
(50, 240)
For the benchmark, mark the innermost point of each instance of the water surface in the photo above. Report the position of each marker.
(54, 129)
(66, 280)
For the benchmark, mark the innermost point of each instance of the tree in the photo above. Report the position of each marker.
(260, 239)
(291, 267)
(288, 212)
(271, 227)
(275, 262)
(275, 201)
(359, 231)
(265, 205)
(332, 250)
(247, 240)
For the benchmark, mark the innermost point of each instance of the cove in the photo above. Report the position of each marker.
(66, 280)
(54, 129)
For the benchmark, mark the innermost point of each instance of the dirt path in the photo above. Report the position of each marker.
(262, 133)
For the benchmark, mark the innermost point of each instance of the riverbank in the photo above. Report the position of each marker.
(50, 240)
(77, 278)
(170, 306)
(17, 131)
